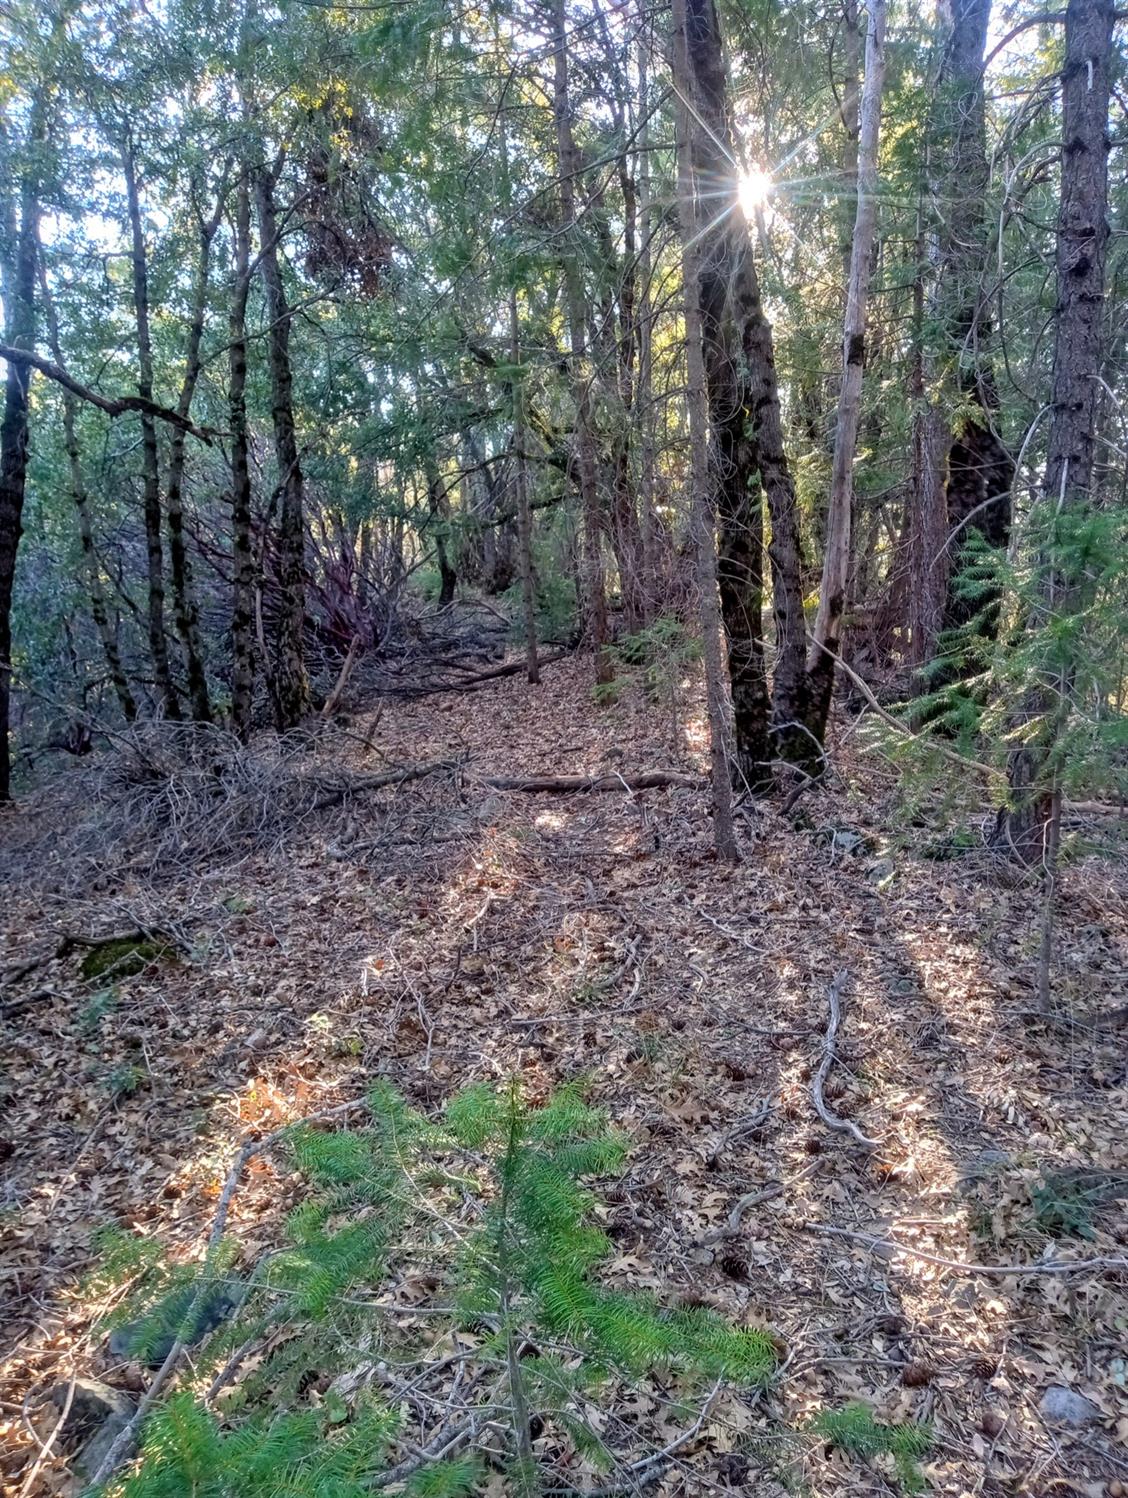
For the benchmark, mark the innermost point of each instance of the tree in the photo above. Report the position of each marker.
(1025, 825)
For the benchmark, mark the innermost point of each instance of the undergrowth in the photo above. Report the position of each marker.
(438, 1312)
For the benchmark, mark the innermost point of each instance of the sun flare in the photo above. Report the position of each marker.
(755, 188)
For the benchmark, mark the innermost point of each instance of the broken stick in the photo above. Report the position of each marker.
(832, 1121)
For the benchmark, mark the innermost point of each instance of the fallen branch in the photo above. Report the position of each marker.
(646, 780)
(742, 1205)
(832, 1121)
(333, 700)
(127, 1436)
(739, 1129)
(1043, 1266)
(400, 776)
(479, 678)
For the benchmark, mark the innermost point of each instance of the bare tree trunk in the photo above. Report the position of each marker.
(1024, 828)
(724, 836)
(568, 163)
(242, 553)
(438, 505)
(730, 287)
(183, 596)
(521, 484)
(838, 553)
(965, 474)
(18, 266)
(644, 398)
(98, 611)
(150, 456)
(290, 683)
(927, 526)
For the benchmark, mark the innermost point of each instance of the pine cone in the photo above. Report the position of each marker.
(916, 1375)
(985, 1366)
(733, 1261)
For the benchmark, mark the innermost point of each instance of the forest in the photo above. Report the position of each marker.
(563, 748)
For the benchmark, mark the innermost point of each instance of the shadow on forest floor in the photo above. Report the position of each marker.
(438, 933)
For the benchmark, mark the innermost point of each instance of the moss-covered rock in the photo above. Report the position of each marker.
(123, 957)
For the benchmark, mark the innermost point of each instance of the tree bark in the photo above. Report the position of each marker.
(185, 610)
(965, 475)
(701, 502)
(730, 287)
(438, 506)
(98, 612)
(289, 683)
(568, 165)
(1082, 240)
(150, 456)
(242, 552)
(839, 526)
(521, 484)
(19, 269)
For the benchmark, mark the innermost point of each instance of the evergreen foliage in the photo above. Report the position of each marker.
(854, 1429)
(487, 1206)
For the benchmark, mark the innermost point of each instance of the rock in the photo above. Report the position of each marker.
(98, 1414)
(94, 1453)
(92, 1403)
(1067, 1407)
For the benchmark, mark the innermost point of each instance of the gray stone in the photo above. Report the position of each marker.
(94, 1453)
(92, 1404)
(1067, 1407)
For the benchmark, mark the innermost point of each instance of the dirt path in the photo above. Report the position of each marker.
(441, 933)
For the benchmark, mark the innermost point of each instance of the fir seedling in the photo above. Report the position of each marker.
(854, 1429)
(486, 1207)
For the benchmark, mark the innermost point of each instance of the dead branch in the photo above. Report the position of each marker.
(334, 697)
(562, 784)
(113, 406)
(744, 1204)
(832, 1121)
(478, 678)
(889, 1247)
(742, 1127)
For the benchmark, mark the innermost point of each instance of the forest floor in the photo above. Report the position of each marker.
(441, 932)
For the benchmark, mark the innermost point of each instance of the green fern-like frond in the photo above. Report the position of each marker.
(453, 1478)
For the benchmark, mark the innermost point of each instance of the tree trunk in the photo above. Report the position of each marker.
(521, 484)
(730, 286)
(150, 457)
(242, 553)
(438, 505)
(644, 403)
(98, 611)
(19, 319)
(183, 596)
(568, 163)
(290, 685)
(838, 553)
(1082, 241)
(962, 477)
(702, 509)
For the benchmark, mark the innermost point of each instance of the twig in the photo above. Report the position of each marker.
(832, 1121)
(127, 1435)
(1044, 1266)
(743, 1126)
(45, 1450)
(743, 1204)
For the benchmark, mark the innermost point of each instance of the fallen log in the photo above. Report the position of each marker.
(478, 678)
(646, 780)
